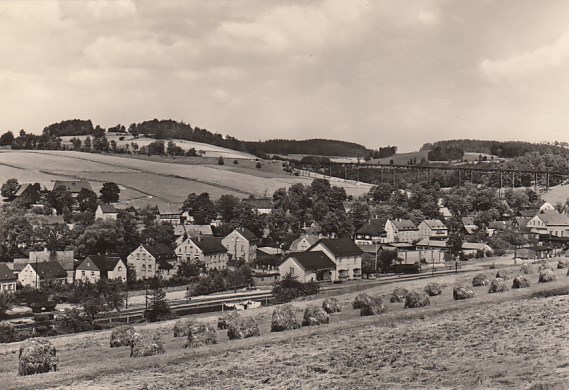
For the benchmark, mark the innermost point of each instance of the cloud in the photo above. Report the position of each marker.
(528, 64)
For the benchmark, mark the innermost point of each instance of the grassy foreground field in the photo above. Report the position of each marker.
(155, 181)
(505, 340)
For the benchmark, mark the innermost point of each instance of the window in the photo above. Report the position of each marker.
(291, 270)
(93, 273)
(83, 273)
(120, 268)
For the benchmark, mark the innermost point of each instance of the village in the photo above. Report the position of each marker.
(173, 250)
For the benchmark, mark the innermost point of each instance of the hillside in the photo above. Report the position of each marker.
(505, 340)
(156, 180)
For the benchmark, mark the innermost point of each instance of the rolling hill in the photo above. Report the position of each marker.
(160, 180)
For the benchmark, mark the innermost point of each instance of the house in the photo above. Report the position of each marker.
(265, 269)
(241, 243)
(426, 244)
(169, 213)
(260, 206)
(65, 258)
(95, 267)
(372, 232)
(530, 212)
(468, 226)
(476, 248)
(184, 231)
(149, 261)
(38, 274)
(344, 253)
(32, 192)
(107, 212)
(445, 213)
(73, 186)
(7, 279)
(401, 230)
(550, 223)
(546, 207)
(309, 266)
(207, 250)
(498, 226)
(303, 243)
(433, 229)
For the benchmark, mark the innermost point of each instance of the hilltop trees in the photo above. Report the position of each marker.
(7, 138)
(9, 189)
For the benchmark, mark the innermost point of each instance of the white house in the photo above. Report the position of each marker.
(372, 232)
(94, 268)
(309, 266)
(169, 213)
(303, 243)
(546, 206)
(149, 261)
(344, 253)
(433, 229)
(401, 230)
(7, 279)
(241, 243)
(107, 212)
(550, 223)
(37, 274)
(207, 250)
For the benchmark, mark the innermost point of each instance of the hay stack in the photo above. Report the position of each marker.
(284, 318)
(331, 305)
(227, 318)
(374, 307)
(143, 345)
(502, 274)
(121, 336)
(520, 281)
(200, 334)
(243, 328)
(361, 299)
(546, 275)
(415, 299)
(433, 289)
(480, 280)
(181, 327)
(464, 292)
(562, 264)
(315, 315)
(498, 285)
(36, 357)
(543, 265)
(398, 295)
(526, 269)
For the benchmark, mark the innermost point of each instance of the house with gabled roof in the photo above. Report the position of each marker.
(550, 223)
(38, 274)
(241, 243)
(106, 212)
(207, 250)
(401, 230)
(344, 253)
(433, 229)
(468, 226)
(170, 213)
(149, 261)
(546, 206)
(260, 206)
(184, 231)
(95, 267)
(304, 242)
(7, 279)
(309, 266)
(372, 232)
(65, 258)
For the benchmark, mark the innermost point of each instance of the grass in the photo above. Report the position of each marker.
(158, 180)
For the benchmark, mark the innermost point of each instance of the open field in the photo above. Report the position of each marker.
(154, 181)
(205, 149)
(505, 340)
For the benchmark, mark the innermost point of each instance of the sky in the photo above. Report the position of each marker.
(377, 72)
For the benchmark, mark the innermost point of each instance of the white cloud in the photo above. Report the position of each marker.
(530, 63)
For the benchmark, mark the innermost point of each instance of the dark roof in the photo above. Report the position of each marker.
(313, 261)
(248, 234)
(49, 270)
(163, 264)
(159, 251)
(73, 186)
(209, 245)
(6, 274)
(373, 227)
(272, 260)
(108, 208)
(340, 247)
(404, 224)
(104, 263)
(528, 213)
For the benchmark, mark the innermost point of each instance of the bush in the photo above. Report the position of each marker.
(289, 288)
(235, 162)
(220, 161)
(258, 165)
